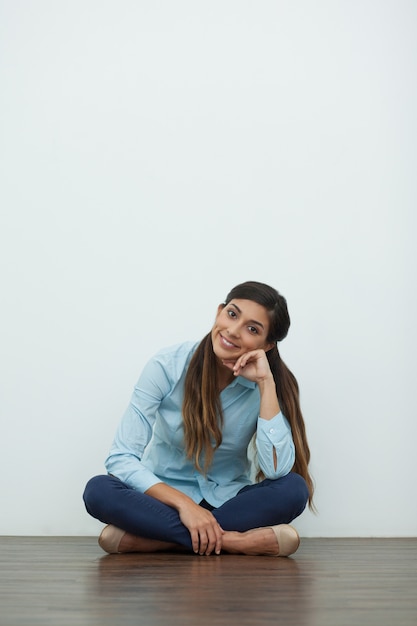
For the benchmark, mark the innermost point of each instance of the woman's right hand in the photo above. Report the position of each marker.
(206, 533)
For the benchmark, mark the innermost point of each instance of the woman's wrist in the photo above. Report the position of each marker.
(266, 383)
(170, 496)
(269, 406)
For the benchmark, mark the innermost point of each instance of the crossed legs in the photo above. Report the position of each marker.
(255, 520)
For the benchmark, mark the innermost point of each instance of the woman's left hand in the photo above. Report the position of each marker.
(252, 365)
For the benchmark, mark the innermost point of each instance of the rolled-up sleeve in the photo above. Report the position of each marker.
(275, 434)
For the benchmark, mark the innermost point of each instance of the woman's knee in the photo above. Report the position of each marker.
(94, 492)
(295, 492)
(298, 493)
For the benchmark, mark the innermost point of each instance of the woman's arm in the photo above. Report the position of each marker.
(206, 533)
(135, 428)
(275, 446)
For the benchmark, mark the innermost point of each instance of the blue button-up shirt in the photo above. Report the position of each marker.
(149, 446)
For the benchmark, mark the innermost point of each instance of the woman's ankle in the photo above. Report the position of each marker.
(132, 543)
(259, 541)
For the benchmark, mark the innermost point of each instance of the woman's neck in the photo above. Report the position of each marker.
(224, 376)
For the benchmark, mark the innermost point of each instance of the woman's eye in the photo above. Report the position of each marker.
(231, 313)
(253, 330)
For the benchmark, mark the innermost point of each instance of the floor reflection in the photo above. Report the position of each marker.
(181, 589)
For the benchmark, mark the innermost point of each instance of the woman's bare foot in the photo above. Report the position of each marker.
(252, 542)
(281, 540)
(114, 540)
(131, 543)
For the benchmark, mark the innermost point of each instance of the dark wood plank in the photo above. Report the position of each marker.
(69, 581)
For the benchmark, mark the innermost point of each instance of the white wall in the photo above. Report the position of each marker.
(154, 154)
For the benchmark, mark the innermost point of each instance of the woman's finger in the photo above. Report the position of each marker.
(195, 540)
(216, 540)
(212, 541)
(204, 541)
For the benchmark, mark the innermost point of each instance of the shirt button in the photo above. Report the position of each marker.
(272, 430)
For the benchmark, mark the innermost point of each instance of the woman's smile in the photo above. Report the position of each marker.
(226, 343)
(240, 326)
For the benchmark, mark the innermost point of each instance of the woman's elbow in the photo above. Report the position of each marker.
(285, 461)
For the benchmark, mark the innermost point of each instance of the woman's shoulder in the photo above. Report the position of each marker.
(177, 351)
(173, 360)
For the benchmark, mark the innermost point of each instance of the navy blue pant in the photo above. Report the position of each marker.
(266, 503)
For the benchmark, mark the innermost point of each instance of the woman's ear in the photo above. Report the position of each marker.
(220, 308)
(269, 346)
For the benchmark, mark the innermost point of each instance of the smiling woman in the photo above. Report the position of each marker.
(178, 470)
(237, 329)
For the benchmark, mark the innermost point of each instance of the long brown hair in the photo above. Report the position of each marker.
(202, 411)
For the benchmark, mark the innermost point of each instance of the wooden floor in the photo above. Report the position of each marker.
(329, 582)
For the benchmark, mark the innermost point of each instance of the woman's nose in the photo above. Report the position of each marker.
(233, 331)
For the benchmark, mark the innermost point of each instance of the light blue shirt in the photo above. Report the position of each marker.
(149, 448)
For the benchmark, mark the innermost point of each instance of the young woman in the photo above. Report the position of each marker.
(178, 470)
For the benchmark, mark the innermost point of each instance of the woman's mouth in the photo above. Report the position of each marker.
(226, 343)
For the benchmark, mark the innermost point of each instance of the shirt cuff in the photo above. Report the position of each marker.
(275, 434)
(143, 480)
(273, 430)
(138, 477)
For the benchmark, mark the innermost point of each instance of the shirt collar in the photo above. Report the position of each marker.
(240, 380)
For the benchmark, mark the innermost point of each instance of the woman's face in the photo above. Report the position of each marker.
(240, 326)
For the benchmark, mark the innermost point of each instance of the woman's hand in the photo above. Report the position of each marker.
(252, 365)
(206, 533)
